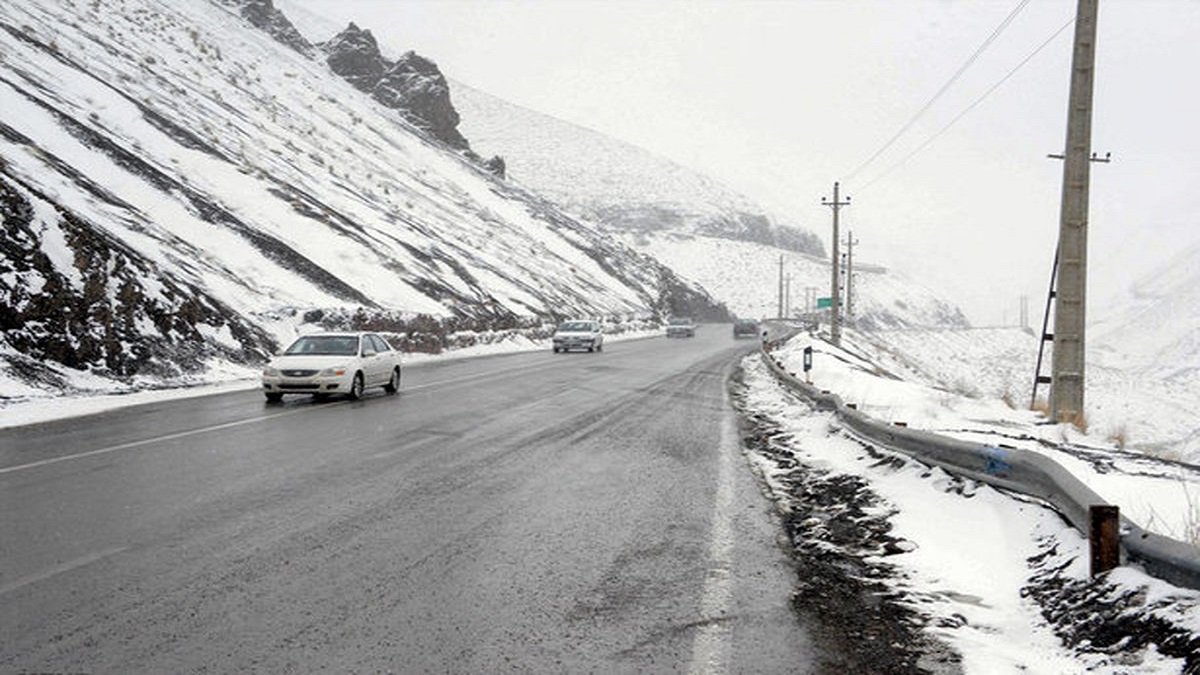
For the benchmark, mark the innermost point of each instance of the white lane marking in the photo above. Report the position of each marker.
(59, 569)
(145, 441)
(710, 646)
(228, 425)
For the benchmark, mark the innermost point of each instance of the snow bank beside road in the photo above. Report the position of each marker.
(1001, 580)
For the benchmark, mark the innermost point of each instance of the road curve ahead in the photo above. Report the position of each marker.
(533, 513)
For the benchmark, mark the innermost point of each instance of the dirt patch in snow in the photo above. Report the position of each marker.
(1114, 618)
(834, 524)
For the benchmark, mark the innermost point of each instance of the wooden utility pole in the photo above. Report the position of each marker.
(835, 309)
(1070, 304)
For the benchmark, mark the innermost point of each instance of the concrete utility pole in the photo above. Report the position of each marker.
(850, 242)
(835, 309)
(779, 315)
(1070, 304)
(787, 296)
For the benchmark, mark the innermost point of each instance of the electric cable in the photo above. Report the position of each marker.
(929, 141)
(954, 78)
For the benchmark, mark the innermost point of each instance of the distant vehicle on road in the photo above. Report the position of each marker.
(578, 334)
(333, 363)
(681, 327)
(745, 328)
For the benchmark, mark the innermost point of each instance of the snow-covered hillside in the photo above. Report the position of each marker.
(618, 185)
(745, 276)
(179, 189)
(1145, 350)
(1126, 408)
(701, 229)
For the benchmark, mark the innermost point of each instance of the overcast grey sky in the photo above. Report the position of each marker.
(778, 99)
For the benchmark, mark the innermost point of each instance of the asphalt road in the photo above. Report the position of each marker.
(526, 513)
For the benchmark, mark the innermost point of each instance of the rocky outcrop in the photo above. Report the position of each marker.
(412, 85)
(496, 166)
(354, 55)
(264, 15)
(416, 87)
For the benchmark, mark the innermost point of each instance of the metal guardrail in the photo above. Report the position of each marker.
(1022, 471)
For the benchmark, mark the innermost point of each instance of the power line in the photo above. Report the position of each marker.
(954, 78)
(929, 141)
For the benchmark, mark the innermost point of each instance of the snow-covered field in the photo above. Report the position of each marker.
(972, 559)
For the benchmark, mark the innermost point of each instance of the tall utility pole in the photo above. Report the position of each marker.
(780, 314)
(850, 242)
(787, 296)
(1070, 304)
(835, 309)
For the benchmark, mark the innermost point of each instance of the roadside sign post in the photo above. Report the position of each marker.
(808, 352)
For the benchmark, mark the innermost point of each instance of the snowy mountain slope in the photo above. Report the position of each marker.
(1144, 356)
(619, 185)
(699, 228)
(173, 165)
(1162, 309)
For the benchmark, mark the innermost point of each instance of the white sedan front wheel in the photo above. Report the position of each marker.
(356, 387)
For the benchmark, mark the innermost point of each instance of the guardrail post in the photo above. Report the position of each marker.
(1105, 538)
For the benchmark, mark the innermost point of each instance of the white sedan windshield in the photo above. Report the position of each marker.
(325, 345)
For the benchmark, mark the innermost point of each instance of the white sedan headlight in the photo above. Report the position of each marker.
(270, 372)
(336, 371)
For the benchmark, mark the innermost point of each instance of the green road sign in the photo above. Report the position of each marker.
(824, 302)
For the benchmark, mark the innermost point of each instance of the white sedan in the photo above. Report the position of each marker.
(333, 363)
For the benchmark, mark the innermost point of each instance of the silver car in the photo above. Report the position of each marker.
(333, 363)
(681, 327)
(578, 334)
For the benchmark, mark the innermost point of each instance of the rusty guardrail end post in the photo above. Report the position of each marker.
(1104, 537)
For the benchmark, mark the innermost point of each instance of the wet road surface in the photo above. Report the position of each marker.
(534, 513)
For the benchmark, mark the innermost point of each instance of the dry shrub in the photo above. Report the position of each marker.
(1042, 406)
(1119, 437)
(1007, 398)
(1191, 517)
(1079, 421)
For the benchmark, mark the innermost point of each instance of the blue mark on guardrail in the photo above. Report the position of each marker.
(997, 460)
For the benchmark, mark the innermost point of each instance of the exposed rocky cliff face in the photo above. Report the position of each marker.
(103, 307)
(263, 14)
(354, 55)
(412, 84)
